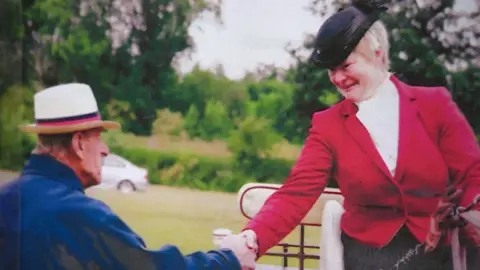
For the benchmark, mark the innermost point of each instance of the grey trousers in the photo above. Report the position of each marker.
(358, 256)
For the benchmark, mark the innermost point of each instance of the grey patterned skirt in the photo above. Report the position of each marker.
(358, 256)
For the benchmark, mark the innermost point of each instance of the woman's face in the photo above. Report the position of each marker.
(358, 76)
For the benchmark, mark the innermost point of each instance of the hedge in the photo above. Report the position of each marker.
(180, 169)
(200, 172)
(184, 169)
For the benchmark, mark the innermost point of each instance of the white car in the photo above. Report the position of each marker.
(122, 175)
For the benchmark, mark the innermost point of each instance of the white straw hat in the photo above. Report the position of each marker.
(66, 108)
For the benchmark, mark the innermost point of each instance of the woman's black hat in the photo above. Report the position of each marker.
(341, 33)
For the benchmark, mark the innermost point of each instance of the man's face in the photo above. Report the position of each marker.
(90, 150)
(357, 77)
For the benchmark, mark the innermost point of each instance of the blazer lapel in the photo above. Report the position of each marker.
(408, 121)
(360, 134)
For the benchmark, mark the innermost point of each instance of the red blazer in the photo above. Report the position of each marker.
(435, 143)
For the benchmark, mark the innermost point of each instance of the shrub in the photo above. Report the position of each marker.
(205, 173)
(189, 170)
(191, 120)
(168, 123)
(15, 109)
(215, 123)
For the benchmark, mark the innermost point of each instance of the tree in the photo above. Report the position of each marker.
(253, 140)
(215, 123)
(123, 49)
(15, 108)
(191, 121)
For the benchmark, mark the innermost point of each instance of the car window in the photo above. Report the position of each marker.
(113, 162)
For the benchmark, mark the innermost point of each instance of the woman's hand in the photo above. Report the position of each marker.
(470, 233)
(443, 218)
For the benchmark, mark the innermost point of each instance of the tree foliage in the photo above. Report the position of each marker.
(127, 51)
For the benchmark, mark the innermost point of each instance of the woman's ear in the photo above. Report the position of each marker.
(379, 54)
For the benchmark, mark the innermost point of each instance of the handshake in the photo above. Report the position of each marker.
(243, 245)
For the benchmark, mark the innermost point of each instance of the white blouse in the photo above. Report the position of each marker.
(380, 115)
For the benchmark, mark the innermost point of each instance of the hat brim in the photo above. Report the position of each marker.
(59, 129)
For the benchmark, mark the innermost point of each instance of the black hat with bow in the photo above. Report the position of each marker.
(341, 33)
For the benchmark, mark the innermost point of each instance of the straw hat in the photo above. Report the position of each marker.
(66, 108)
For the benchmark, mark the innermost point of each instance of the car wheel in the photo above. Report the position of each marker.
(126, 186)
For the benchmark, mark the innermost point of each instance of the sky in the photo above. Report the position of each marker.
(255, 32)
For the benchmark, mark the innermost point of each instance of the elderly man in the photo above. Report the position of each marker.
(47, 221)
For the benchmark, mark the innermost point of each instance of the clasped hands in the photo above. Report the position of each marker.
(244, 246)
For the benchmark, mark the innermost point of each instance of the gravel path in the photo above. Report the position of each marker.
(7, 176)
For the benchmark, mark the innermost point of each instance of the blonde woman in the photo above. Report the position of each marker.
(393, 148)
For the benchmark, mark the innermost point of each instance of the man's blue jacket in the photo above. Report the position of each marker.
(47, 222)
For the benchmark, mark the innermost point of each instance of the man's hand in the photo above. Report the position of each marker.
(244, 246)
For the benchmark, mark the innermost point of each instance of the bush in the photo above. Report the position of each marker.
(188, 170)
(200, 172)
(168, 123)
(205, 173)
(213, 123)
(15, 109)
(191, 120)
(216, 123)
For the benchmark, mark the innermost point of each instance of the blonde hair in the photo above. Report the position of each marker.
(375, 38)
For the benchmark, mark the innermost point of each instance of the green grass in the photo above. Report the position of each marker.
(186, 218)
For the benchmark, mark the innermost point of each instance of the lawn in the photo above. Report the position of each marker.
(184, 217)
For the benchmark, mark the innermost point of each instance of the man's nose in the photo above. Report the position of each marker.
(105, 150)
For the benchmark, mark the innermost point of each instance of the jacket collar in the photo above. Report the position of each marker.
(52, 169)
(348, 107)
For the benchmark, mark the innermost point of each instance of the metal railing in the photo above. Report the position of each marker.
(305, 252)
(302, 255)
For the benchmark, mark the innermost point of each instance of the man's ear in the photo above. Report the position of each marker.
(78, 144)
